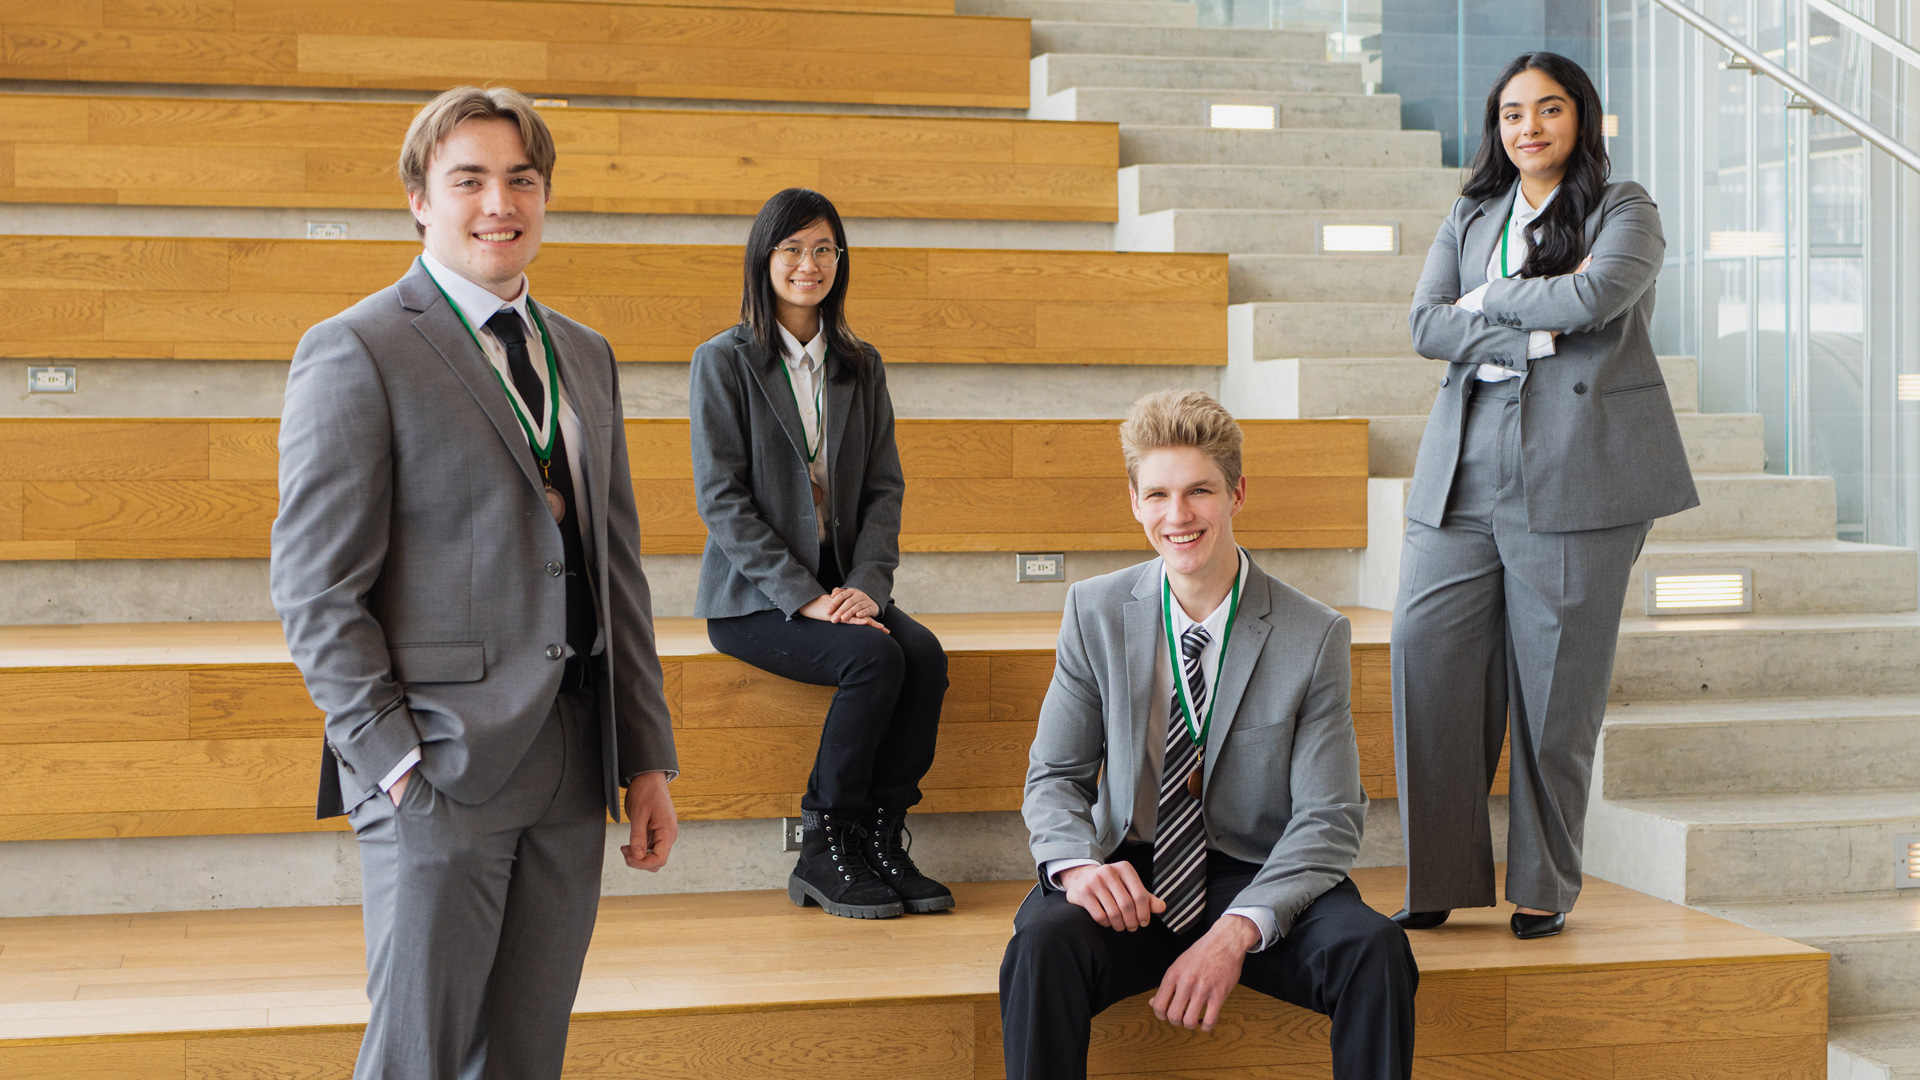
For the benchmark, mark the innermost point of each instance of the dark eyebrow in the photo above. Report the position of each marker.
(481, 170)
(1542, 101)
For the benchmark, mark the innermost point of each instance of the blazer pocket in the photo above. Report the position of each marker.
(439, 662)
(1641, 389)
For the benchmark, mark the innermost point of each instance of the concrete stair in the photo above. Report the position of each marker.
(1163, 106)
(1128, 12)
(1324, 279)
(1874, 1048)
(1250, 232)
(1197, 42)
(1142, 144)
(1285, 187)
(1055, 72)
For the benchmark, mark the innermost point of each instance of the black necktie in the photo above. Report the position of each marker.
(581, 623)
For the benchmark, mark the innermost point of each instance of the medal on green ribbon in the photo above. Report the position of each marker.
(1196, 726)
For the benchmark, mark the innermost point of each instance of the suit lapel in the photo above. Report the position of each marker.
(1244, 643)
(1479, 236)
(773, 383)
(1143, 634)
(596, 453)
(441, 326)
(838, 402)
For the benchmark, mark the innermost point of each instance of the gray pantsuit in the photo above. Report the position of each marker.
(1529, 503)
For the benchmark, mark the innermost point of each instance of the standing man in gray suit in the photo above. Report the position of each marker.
(456, 564)
(1194, 827)
(1551, 448)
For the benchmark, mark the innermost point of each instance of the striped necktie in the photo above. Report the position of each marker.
(1179, 837)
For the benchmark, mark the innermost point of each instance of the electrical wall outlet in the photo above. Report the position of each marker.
(53, 380)
(1047, 566)
(1906, 865)
(326, 230)
(790, 834)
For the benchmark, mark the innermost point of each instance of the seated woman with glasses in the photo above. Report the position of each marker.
(799, 484)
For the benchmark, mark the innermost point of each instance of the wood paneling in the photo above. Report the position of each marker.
(205, 488)
(746, 985)
(550, 47)
(222, 152)
(116, 297)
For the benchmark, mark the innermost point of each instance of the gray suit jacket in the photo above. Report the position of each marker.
(410, 555)
(751, 484)
(1600, 445)
(1282, 769)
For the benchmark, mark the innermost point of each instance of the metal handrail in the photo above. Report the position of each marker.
(1840, 113)
(1866, 30)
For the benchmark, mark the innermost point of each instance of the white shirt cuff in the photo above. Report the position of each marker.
(1475, 300)
(1052, 868)
(400, 770)
(1262, 918)
(1539, 344)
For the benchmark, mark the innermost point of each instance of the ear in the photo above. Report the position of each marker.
(1240, 493)
(417, 203)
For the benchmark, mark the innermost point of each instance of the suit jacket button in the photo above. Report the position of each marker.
(554, 569)
(1579, 388)
(555, 652)
(1446, 380)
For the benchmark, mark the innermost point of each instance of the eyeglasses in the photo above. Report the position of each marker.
(824, 255)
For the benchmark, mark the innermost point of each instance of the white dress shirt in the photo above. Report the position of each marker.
(477, 304)
(1539, 342)
(1146, 798)
(806, 367)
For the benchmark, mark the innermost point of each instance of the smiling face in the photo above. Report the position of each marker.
(1182, 500)
(799, 289)
(483, 206)
(1539, 126)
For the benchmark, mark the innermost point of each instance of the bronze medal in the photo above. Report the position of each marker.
(556, 504)
(819, 493)
(1193, 783)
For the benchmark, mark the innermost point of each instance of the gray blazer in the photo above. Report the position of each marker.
(1600, 445)
(751, 484)
(410, 554)
(1282, 769)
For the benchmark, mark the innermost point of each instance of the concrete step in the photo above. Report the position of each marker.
(1207, 43)
(1791, 577)
(1321, 279)
(1877, 1048)
(1323, 330)
(1182, 145)
(1055, 72)
(1763, 746)
(1188, 108)
(1145, 189)
(1874, 940)
(1394, 392)
(1275, 232)
(1716, 443)
(1128, 12)
(1754, 506)
(1745, 848)
(1704, 658)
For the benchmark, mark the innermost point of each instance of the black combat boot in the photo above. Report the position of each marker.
(887, 855)
(833, 873)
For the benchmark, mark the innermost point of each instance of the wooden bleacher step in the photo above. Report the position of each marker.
(310, 154)
(552, 47)
(746, 986)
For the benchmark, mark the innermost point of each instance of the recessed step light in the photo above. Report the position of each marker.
(1249, 117)
(1906, 872)
(1699, 592)
(1909, 388)
(1330, 239)
(1736, 242)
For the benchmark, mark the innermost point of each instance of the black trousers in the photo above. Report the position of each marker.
(881, 728)
(1341, 958)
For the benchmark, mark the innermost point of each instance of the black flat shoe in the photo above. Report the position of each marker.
(1421, 920)
(1528, 927)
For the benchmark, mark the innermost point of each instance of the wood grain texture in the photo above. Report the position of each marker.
(551, 47)
(1667, 1004)
(107, 298)
(219, 152)
(206, 489)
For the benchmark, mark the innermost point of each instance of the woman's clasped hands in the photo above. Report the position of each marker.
(844, 605)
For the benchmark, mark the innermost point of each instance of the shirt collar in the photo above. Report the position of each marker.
(808, 356)
(1215, 621)
(1522, 213)
(476, 303)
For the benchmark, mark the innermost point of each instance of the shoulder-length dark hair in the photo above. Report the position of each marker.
(1555, 241)
(785, 214)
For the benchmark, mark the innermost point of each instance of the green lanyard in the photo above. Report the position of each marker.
(1196, 728)
(1504, 272)
(542, 451)
(819, 421)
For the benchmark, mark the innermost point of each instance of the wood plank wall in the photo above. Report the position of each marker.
(223, 152)
(128, 298)
(207, 489)
(544, 48)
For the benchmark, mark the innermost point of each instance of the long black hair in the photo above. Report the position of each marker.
(1555, 241)
(785, 214)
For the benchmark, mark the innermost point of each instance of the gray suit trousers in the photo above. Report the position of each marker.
(478, 916)
(1495, 623)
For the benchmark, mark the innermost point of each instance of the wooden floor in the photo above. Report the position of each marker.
(744, 985)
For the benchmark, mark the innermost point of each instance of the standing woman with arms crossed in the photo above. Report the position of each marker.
(1551, 448)
(799, 484)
